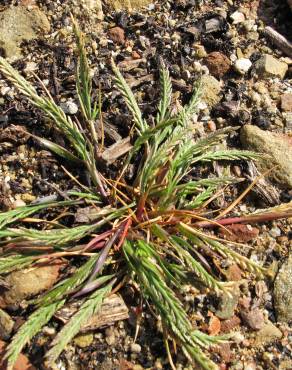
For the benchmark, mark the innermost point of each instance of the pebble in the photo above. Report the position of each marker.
(254, 318)
(275, 232)
(117, 35)
(286, 102)
(283, 292)
(218, 64)
(242, 65)
(6, 325)
(135, 348)
(237, 17)
(49, 331)
(268, 333)
(210, 90)
(84, 340)
(18, 203)
(269, 66)
(227, 305)
(69, 107)
(276, 147)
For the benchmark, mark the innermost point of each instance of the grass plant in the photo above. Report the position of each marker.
(150, 225)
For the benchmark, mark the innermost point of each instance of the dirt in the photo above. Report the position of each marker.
(195, 39)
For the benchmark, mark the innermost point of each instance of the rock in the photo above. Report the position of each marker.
(228, 304)
(117, 35)
(95, 6)
(18, 203)
(237, 17)
(234, 273)
(283, 292)
(253, 318)
(239, 233)
(18, 24)
(128, 4)
(230, 324)
(210, 90)
(135, 348)
(268, 66)
(22, 362)
(277, 148)
(69, 107)
(286, 102)
(218, 64)
(6, 325)
(214, 326)
(84, 340)
(242, 65)
(267, 334)
(29, 282)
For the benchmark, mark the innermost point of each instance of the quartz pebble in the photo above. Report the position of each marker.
(237, 17)
(242, 65)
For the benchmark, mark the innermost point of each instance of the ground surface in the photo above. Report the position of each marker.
(185, 33)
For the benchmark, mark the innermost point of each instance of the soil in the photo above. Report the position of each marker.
(194, 38)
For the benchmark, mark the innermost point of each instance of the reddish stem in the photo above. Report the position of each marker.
(128, 224)
(246, 219)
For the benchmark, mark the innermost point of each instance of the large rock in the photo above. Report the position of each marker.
(128, 4)
(283, 292)
(278, 151)
(18, 24)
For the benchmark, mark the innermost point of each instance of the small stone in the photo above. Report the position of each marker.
(218, 64)
(254, 318)
(276, 151)
(283, 292)
(228, 304)
(269, 66)
(242, 65)
(237, 17)
(201, 52)
(83, 340)
(128, 4)
(268, 334)
(27, 197)
(69, 107)
(136, 55)
(18, 203)
(210, 90)
(239, 233)
(117, 35)
(275, 232)
(135, 348)
(49, 331)
(230, 324)
(234, 273)
(286, 102)
(6, 325)
(214, 325)
(110, 336)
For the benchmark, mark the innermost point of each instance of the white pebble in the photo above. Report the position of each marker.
(18, 203)
(237, 17)
(69, 107)
(242, 65)
(135, 348)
